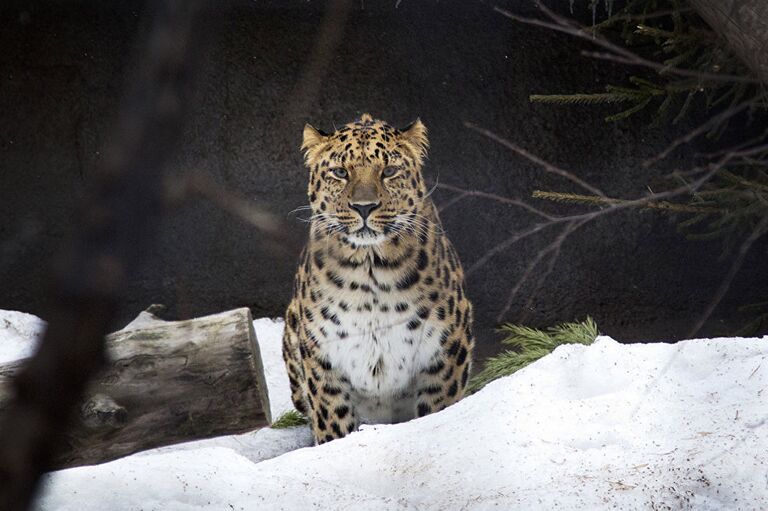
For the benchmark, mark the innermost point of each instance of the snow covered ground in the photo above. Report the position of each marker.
(608, 426)
(18, 334)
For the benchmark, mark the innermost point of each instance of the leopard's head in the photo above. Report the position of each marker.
(365, 180)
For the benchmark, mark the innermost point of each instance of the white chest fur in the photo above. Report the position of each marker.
(380, 352)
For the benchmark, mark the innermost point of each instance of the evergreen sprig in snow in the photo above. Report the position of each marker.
(289, 419)
(527, 345)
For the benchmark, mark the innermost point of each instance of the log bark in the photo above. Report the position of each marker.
(167, 382)
(744, 24)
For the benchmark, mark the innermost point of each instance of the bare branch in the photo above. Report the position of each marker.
(505, 245)
(760, 229)
(617, 53)
(574, 222)
(626, 204)
(553, 258)
(454, 200)
(552, 247)
(738, 147)
(499, 198)
(662, 13)
(745, 153)
(708, 125)
(548, 167)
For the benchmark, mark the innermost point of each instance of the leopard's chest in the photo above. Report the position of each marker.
(379, 354)
(376, 339)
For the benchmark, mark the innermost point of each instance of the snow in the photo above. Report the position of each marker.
(607, 426)
(19, 333)
(269, 333)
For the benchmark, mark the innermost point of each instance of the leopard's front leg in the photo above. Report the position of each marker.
(442, 383)
(328, 395)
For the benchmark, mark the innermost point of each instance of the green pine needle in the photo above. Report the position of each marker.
(527, 345)
(584, 99)
(289, 419)
(681, 40)
(630, 111)
(733, 202)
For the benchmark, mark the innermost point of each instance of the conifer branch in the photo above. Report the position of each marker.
(615, 52)
(583, 99)
(724, 195)
(527, 345)
(290, 419)
(594, 200)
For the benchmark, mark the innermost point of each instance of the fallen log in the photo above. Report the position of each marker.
(167, 382)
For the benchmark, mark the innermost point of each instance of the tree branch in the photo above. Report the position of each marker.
(725, 285)
(118, 223)
(548, 167)
(615, 52)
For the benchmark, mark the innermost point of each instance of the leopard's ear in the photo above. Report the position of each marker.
(416, 135)
(312, 138)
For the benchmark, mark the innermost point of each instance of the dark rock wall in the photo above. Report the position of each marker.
(270, 67)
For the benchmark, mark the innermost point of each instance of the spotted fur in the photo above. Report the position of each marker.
(379, 329)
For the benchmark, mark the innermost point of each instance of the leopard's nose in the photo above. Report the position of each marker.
(364, 208)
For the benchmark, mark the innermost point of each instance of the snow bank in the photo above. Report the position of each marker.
(656, 426)
(19, 334)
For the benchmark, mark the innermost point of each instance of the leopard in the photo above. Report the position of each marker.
(379, 327)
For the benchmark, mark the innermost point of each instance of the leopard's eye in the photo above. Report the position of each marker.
(389, 171)
(340, 172)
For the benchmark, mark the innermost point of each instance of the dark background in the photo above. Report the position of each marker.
(272, 66)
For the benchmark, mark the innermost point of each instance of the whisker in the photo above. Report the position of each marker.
(305, 207)
(434, 187)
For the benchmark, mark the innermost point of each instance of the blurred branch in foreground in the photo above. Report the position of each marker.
(274, 232)
(117, 228)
